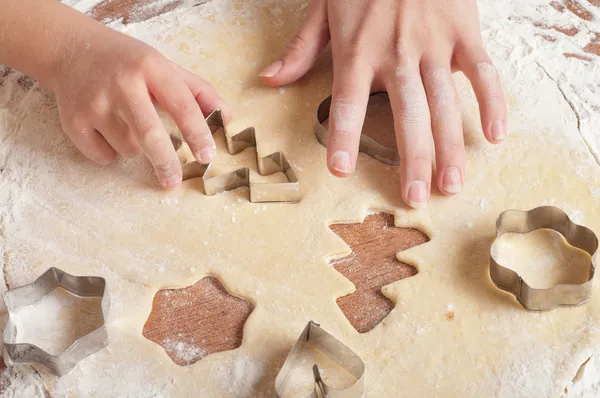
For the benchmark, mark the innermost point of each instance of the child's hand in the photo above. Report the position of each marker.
(105, 90)
(409, 49)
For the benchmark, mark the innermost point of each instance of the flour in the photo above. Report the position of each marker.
(238, 377)
(186, 353)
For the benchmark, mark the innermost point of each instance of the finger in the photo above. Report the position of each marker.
(413, 134)
(143, 121)
(205, 94)
(302, 51)
(89, 141)
(351, 86)
(116, 132)
(446, 124)
(479, 69)
(174, 96)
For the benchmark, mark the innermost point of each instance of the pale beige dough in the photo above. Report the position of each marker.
(59, 209)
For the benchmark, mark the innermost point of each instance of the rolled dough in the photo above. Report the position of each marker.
(58, 209)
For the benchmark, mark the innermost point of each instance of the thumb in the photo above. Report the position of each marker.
(302, 51)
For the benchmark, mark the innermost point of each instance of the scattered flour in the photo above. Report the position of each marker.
(186, 353)
(239, 377)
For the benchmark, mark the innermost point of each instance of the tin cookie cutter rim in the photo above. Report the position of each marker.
(367, 145)
(262, 192)
(545, 217)
(336, 351)
(33, 293)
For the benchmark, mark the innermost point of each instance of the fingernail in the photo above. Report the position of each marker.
(498, 130)
(452, 180)
(206, 155)
(417, 195)
(341, 162)
(272, 69)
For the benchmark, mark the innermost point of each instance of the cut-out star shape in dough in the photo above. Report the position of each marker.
(198, 320)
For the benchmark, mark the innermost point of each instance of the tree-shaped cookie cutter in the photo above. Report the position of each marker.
(334, 350)
(18, 298)
(546, 217)
(259, 192)
(367, 145)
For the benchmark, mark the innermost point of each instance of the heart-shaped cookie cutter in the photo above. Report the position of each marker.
(260, 192)
(546, 217)
(367, 145)
(33, 293)
(334, 350)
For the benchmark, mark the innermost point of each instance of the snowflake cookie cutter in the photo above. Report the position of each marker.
(334, 350)
(33, 293)
(367, 145)
(259, 192)
(546, 217)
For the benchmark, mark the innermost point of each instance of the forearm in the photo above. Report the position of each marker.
(41, 38)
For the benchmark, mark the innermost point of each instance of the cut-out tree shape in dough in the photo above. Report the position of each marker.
(372, 265)
(198, 320)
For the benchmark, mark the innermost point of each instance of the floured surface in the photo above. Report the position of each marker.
(543, 258)
(60, 210)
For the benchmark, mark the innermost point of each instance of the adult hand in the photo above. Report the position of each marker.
(408, 48)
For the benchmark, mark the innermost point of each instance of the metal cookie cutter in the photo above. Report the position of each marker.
(336, 351)
(546, 217)
(367, 145)
(270, 164)
(18, 298)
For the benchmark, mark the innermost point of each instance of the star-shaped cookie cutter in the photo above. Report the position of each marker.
(546, 217)
(33, 293)
(259, 192)
(334, 350)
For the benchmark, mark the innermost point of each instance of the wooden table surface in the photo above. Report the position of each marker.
(214, 319)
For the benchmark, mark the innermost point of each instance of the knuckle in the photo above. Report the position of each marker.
(297, 44)
(97, 109)
(184, 108)
(442, 90)
(122, 82)
(412, 107)
(150, 137)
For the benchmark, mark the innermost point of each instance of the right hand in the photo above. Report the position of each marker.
(105, 89)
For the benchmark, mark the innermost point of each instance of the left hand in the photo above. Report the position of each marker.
(408, 48)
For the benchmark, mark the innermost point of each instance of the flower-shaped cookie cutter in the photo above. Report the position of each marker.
(334, 350)
(367, 145)
(259, 192)
(18, 298)
(546, 217)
